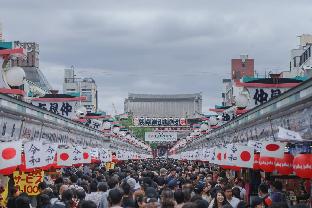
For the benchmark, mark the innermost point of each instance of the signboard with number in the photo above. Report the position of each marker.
(28, 182)
(161, 136)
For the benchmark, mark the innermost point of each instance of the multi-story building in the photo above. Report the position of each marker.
(300, 58)
(30, 64)
(242, 67)
(81, 87)
(160, 106)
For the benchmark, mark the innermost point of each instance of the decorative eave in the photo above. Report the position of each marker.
(12, 91)
(263, 85)
(82, 98)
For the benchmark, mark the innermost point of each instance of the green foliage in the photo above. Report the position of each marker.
(138, 132)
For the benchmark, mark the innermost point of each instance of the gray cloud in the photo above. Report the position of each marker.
(146, 46)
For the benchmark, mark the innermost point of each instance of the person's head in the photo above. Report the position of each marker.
(172, 184)
(126, 188)
(236, 192)
(208, 187)
(173, 172)
(223, 182)
(179, 196)
(63, 188)
(277, 186)
(14, 191)
(45, 199)
(257, 202)
(187, 192)
(163, 172)
(80, 194)
(114, 197)
(167, 194)
(151, 203)
(151, 192)
(198, 189)
(239, 182)
(102, 186)
(263, 190)
(139, 198)
(201, 203)
(190, 205)
(93, 186)
(42, 186)
(22, 202)
(220, 197)
(209, 178)
(73, 178)
(228, 192)
(112, 182)
(67, 195)
(87, 204)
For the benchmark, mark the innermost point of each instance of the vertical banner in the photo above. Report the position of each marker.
(241, 156)
(105, 155)
(65, 157)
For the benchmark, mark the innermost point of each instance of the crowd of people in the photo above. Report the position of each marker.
(149, 184)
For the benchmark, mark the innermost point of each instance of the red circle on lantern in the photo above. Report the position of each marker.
(219, 156)
(64, 156)
(8, 153)
(245, 155)
(284, 166)
(85, 155)
(302, 165)
(272, 147)
(267, 164)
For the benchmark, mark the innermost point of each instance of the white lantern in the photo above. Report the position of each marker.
(213, 121)
(122, 133)
(106, 125)
(81, 112)
(204, 127)
(116, 130)
(241, 101)
(15, 76)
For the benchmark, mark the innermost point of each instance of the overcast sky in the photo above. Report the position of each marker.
(156, 46)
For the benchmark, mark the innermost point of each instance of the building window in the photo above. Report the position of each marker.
(295, 63)
(243, 64)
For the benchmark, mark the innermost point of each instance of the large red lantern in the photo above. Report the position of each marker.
(303, 165)
(284, 166)
(267, 164)
(256, 165)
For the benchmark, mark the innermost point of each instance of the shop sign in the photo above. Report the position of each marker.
(159, 121)
(161, 136)
(28, 182)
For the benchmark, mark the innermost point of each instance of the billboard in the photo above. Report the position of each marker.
(161, 136)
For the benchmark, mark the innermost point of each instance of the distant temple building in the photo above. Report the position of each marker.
(159, 106)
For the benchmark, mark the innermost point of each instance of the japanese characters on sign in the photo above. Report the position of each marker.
(64, 108)
(28, 182)
(30, 131)
(9, 128)
(159, 121)
(105, 155)
(262, 95)
(161, 136)
(239, 155)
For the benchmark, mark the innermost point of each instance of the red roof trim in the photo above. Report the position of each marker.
(95, 117)
(12, 91)
(5, 52)
(82, 98)
(222, 110)
(262, 85)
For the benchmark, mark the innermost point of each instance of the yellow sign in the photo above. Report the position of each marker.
(110, 165)
(28, 182)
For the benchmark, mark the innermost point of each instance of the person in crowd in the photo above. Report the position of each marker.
(179, 198)
(239, 183)
(127, 199)
(219, 200)
(14, 193)
(115, 198)
(229, 196)
(66, 200)
(277, 194)
(87, 204)
(97, 192)
(22, 201)
(45, 201)
(263, 193)
(257, 202)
